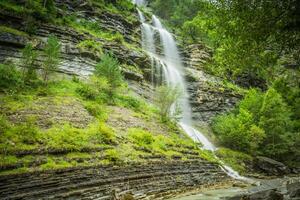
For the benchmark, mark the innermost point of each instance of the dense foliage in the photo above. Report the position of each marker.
(262, 124)
(255, 44)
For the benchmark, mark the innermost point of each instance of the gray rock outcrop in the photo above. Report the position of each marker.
(270, 166)
(208, 94)
(148, 181)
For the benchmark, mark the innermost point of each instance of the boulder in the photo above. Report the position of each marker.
(270, 166)
(293, 189)
(13, 39)
(266, 195)
(261, 195)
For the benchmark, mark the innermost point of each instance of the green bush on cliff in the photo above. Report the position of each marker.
(140, 137)
(112, 155)
(96, 110)
(10, 77)
(18, 136)
(92, 46)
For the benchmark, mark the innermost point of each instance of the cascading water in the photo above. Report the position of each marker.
(173, 75)
(139, 2)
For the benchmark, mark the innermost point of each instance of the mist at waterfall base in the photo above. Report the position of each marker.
(169, 64)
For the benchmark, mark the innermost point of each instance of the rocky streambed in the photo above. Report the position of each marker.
(287, 188)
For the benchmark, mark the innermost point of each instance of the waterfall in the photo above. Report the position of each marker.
(172, 68)
(139, 2)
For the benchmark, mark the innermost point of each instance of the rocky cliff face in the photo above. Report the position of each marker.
(152, 181)
(75, 60)
(208, 94)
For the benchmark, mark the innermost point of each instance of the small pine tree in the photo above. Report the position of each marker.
(29, 68)
(275, 120)
(109, 67)
(52, 53)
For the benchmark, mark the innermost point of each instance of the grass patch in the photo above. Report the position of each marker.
(6, 29)
(112, 155)
(10, 6)
(92, 46)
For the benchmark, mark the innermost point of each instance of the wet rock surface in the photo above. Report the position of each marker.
(151, 181)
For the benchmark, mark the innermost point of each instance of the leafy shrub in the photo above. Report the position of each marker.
(101, 133)
(118, 37)
(166, 100)
(130, 102)
(161, 143)
(140, 137)
(27, 132)
(13, 136)
(65, 137)
(238, 131)
(87, 92)
(275, 120)
(91, 45)
(10, 77)
(112, 155)
(96, 110)
(261, 124)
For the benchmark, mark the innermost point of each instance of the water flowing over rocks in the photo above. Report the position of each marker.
(151, 181)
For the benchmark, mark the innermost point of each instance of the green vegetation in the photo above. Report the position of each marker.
(10, 78)
(92, 46)
(166, 101)
(255, 45)
(109, 68)
(262, 124)
(52, 53)
(240, 162)
(29, 67)
(13, 31)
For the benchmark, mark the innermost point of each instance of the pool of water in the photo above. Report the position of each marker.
(217, 194)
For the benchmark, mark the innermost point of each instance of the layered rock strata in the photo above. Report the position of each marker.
(151, 181)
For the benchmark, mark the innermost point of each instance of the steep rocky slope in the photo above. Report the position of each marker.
(175, 165)
(209, 94)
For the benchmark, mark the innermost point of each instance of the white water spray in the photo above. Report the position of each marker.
(139, 2)
(173, 74)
